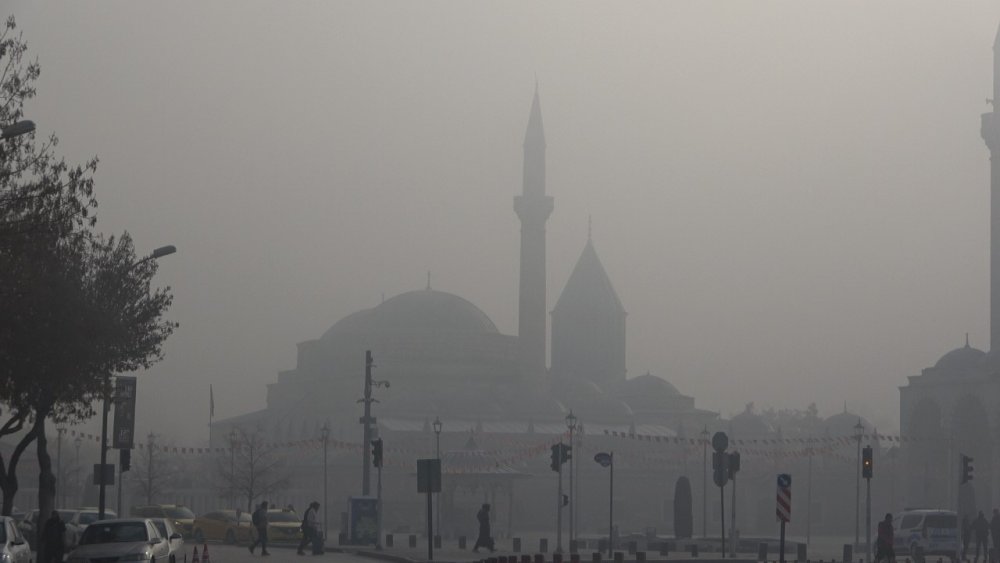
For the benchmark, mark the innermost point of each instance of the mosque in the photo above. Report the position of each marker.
(945, 411)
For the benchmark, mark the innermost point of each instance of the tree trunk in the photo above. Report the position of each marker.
(8, 473)
(46, 480)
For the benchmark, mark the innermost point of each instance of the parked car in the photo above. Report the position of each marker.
(930, 532)
(180, 515)
(283, 525)
(165, 527)
(133, 539)
(230, 526)
(29, 524)
(78, 522)
(15, 548)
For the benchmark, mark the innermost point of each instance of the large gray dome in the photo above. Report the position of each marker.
(424, 310)
(960, 360)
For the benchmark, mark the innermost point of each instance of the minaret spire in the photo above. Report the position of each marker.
(533, 208)
(991, 134)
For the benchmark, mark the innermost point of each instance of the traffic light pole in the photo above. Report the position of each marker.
(732, 520)
(868, 519)
(367, 421)
(722, 513)
(559, 506)
(378, 503)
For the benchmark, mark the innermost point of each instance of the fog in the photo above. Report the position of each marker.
(790, 197)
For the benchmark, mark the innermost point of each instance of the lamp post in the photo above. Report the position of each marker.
(860, 427)
(438, 425)
(325, 434)
(571, 424)
(76, 475)
(59, 468)
(157, 253)
(233, 436)
(608, 460)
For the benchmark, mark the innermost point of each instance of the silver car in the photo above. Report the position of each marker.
(14, 549)
(174, 538)
(132, 539)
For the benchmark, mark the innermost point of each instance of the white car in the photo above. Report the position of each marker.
(78, 522)
(15, 548)
(175, 540)
(133, 539)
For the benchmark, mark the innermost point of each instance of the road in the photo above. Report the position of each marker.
(236, 554)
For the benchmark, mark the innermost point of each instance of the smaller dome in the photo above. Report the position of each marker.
(749, 424)
(960, 359)
(843, 424)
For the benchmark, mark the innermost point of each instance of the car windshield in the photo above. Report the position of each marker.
(941, 521)
(66, 515)
(282, 516)
(88, 517)
(114, 532)
(179, 513)
(160, 527)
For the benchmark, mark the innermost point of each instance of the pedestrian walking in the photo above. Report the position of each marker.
(485, 539)
(884, 542)
(310, 530)
(995, 531)
(981, 529)
(53, 538)
(259, 521)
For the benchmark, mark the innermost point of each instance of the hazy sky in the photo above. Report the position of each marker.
(790, 197)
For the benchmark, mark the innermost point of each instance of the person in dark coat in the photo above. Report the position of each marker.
(995, 529)
(485, 539)
(259, 521)
(53, 538)
(884, 550)
(981, 529)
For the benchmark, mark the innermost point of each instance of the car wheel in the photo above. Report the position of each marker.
(230, 537)
(198, 536)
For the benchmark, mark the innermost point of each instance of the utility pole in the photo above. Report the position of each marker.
(857, 489)
(809, 478)
(559, 507)
(368, 420)
(571, 424)
(704, 482)
(60, 480)
(867, 471)
(150, 447)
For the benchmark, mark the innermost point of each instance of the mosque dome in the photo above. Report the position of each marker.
(424, 310)
(749, 424)
(843, 424)
(960, 359)
(649, 393)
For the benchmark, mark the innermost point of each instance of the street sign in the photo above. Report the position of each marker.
(124, 427)
(720, 468)
(108, 474)
(428, 475)
(603, 459)
(784, 510)
(720, 441)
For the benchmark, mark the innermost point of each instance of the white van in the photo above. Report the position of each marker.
(926, 531)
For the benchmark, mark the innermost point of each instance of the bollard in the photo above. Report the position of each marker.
(694, 550)
(543, 545)
(557, 557)
(848, 553)
(762, 551)
(539, 558)
(595, 557)
(640, 557)
(437, 541)
(619, 557)
(388, 540)
(800, 552)
(462, 542)
(413, 540)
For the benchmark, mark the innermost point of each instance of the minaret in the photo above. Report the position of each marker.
(991, 134)
(533, 208)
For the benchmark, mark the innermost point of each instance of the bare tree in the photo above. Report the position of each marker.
(153, 472)
(253, 468)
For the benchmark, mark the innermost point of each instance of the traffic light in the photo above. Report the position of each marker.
(377, 452)
(565, 452)
(556, 457)
(867, 465)
(565, 500)
(966, 469)
(734, 464)
(125, 460)
(720, 468)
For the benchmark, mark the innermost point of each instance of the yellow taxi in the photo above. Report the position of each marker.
(180, 516)
(283, 525)
(229, 526)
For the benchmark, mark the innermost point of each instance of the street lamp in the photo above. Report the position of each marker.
(608, 460)
(76, 475)
(158, 253)
(59, 468)
(16, 129)
(324, 433)
(233, 436)
(571, 424)
(704, 482)
(437, 496)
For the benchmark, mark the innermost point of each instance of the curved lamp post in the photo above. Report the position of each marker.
(157, 253)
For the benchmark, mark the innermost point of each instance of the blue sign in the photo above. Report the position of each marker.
(784, 481)
(362, 517)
